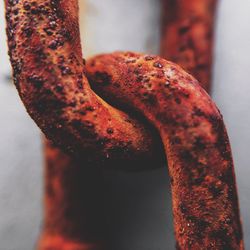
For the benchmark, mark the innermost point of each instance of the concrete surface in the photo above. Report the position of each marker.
(140, 204)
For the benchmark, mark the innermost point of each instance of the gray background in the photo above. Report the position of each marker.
(141, 218)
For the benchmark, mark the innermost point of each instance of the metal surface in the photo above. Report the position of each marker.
(139, 203)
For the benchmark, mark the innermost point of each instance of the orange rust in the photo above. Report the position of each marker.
(187, 36)
(204, 194)
(45, 52)
(48, 70)
(49, 73)
(49, 242)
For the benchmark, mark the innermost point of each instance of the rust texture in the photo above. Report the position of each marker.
(187, 36)
(50, 75)
(204, 195)
(48, 71)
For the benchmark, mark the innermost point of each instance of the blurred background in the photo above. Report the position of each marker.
(140, 203)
